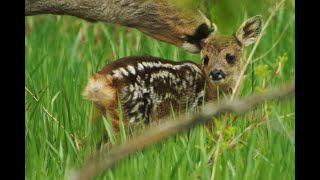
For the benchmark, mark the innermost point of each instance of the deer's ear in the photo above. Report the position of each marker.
(249, 30)
(203, 41)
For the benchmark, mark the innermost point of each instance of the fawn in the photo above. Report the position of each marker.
(147, 87)
(164, 20)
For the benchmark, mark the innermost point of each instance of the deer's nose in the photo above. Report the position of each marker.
(217, 74)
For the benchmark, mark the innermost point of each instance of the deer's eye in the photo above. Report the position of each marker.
(205, 60)
(230, 58)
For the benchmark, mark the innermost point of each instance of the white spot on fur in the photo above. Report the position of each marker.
(156, 64)
(137, 92)
(140, 67)
(170, 66)
(199, 96)
(168, 95)
(132, 120)
(162, 75)
(124, 71)
(136, 107)
(135, 95)
(194, 67)
(131, 88)
(144, 90)
(117, 74)
(131, 69)
(147, 64)
(184, 84)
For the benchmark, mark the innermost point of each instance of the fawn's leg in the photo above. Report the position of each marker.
(112, 115)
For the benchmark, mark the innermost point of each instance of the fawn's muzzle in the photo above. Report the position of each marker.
(217, 74)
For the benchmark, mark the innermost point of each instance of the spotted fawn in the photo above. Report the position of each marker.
(150, 87)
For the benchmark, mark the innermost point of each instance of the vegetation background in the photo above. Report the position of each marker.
(61, 52)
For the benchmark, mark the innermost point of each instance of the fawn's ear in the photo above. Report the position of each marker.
(249, 30)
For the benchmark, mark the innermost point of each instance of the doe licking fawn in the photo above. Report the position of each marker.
(148, 87)
(163, 20)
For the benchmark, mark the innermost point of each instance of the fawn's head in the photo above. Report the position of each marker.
(221, 54)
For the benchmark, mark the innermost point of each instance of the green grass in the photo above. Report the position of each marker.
(62, 52)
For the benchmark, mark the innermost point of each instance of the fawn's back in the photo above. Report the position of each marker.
(147, 86)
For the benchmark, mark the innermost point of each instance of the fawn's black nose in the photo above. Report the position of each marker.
(217, 74)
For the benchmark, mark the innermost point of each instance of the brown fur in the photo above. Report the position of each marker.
(150, 87)
(218, 46)
(167, 21)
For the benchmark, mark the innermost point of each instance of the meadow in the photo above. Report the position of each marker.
(61, 52)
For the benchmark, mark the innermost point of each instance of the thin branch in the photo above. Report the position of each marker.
(235, 89)
(104, 160)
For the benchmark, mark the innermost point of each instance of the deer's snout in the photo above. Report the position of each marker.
(217, 74)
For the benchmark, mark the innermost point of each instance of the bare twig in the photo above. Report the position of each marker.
(102, 161)
(235, 89)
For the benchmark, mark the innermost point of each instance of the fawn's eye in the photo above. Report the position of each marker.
(205, 60)
(230, 58)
